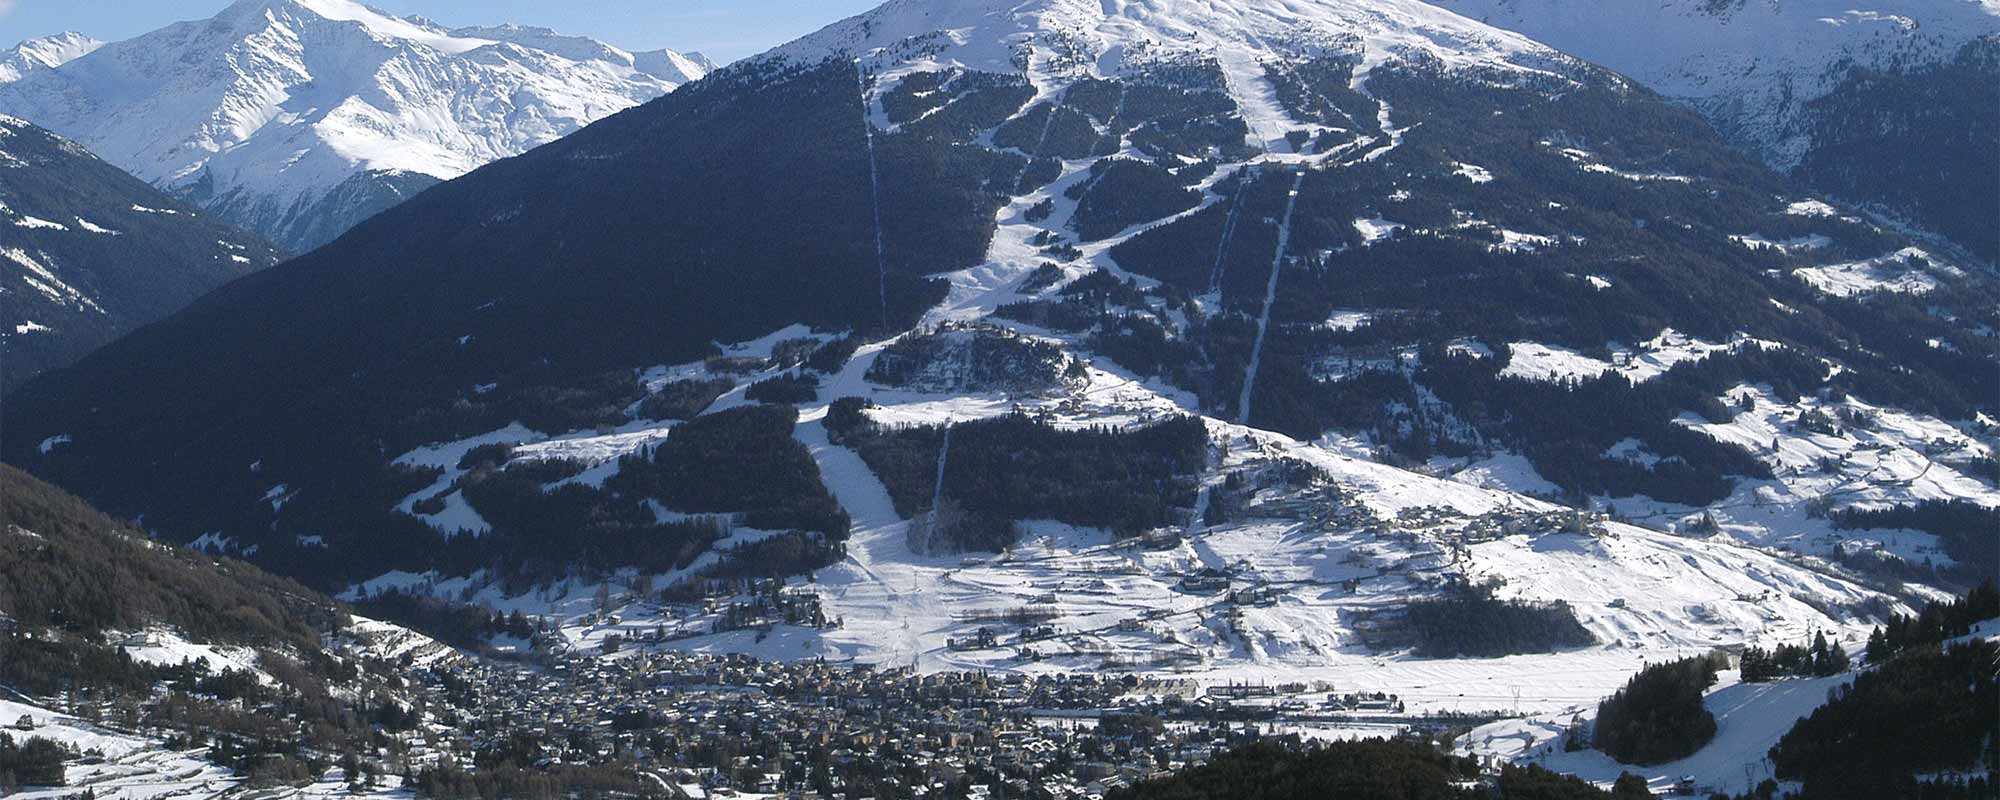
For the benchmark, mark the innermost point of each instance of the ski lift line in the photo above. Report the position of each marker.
(1270, 298)
(1228, 230)
(944, 453)
(1049, 124)
(874, 194)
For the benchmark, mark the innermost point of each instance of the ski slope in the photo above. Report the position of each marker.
(1750, 719)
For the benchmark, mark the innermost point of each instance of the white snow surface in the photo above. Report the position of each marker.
(1751, 66)
(134, 767)
(280, 101)
(42, 278)
(1750, 718)
(124, 765)
(26, 221)
(46, 52)
(1889, 273)
(897, 607)
(1111, 37)
(1788, 246)
(1650, 359)
(165, 647)
(92, 227)
(1543, 362)
(1375, 229)
(1898, 457)
(458, 516)
(1472, 172)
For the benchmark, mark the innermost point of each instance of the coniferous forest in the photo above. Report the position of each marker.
(1009, 400)
(1658, 715)
(1925, 712)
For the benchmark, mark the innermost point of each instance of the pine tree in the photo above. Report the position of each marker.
(1630, 787)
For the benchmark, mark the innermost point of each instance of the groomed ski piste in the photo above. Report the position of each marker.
(1329, 561)
(1750, 718)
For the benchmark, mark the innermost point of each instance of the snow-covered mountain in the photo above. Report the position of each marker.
(88, 252)
(1751, 65)
(299, 118)
(1782, 79)
(1076, 38)
(47, 52)
(1150, 335)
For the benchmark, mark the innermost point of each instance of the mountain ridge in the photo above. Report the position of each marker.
(298, 118)
(1799, 85)
(44, 52)
(1504, 329)
(1338, 361)
(89, 253)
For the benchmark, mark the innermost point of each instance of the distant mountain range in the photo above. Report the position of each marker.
(1247, 341)
(47, 52)
(296, 119)
(1881, 101)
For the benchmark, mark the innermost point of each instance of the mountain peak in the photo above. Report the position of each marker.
(1105, 36)
(298, 118)
(1752, 66)
(45, 52)
(379, 25)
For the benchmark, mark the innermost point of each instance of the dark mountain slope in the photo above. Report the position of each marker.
(1477, 205)
(720, 212)
(89, 253)
(1921, 142)
(66, 565)
(265, 672)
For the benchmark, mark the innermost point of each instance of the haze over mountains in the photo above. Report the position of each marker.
(296, 119)
(1877, 102)
(1252, 342)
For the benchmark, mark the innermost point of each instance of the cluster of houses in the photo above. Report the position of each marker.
(707, 726)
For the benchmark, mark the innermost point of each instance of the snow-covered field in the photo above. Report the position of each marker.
(1895, 457)
(118, 764)
(165, 647)
(128, 766)
(1644, 594)
(1901, 272)
(1750, 718)
(1648, 360)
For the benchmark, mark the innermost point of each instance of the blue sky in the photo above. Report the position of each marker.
(724, 29)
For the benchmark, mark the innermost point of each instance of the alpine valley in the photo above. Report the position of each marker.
(1241, 376)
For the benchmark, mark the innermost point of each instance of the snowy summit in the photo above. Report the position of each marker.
(299, 118)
